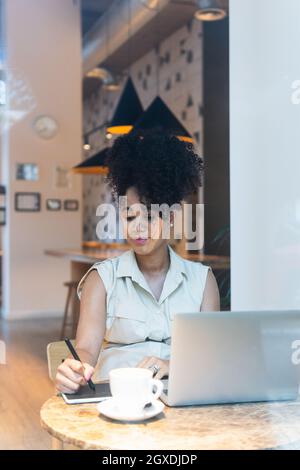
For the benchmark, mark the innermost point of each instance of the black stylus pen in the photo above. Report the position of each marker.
(75, 355)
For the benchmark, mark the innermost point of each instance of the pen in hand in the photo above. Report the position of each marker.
(77, 358)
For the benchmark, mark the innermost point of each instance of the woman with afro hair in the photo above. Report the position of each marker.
(127, 303)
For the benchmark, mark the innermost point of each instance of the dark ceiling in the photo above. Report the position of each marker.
(175, 15)
(91, 10)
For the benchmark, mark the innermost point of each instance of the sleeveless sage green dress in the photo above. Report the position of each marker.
(137, 324)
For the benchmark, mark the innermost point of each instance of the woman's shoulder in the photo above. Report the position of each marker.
(195, 274)
(111, 263)
(190, 267)
(106, 269)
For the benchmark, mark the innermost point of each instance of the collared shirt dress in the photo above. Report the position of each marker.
(137, 324)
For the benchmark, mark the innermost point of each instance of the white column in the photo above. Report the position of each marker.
(44, 60)
(264, 154)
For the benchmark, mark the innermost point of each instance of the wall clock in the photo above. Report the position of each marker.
(46, 127)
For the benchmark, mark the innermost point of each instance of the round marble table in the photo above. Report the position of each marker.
(241, 426)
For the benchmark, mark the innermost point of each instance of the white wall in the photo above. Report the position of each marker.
(264, 156)
(44, 48)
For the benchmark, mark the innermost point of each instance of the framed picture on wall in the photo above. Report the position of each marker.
(2, 215)
(71, 205)
(62, 177)
(27, 171)
(53, 204)
(27, 202)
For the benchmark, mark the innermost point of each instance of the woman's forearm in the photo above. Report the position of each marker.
(86, 356)
(92, 320)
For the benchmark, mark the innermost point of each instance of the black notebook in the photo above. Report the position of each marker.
(86, 395)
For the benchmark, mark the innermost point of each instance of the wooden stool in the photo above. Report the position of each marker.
(72, 319)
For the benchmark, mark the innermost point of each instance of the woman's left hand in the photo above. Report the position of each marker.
(151, 361)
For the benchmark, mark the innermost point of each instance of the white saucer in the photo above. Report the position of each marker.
(109, 409)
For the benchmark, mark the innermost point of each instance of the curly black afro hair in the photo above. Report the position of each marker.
(162, 168)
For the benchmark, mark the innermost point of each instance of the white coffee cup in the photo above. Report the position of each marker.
(132, 388)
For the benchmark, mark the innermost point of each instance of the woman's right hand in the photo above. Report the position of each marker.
(71, 374)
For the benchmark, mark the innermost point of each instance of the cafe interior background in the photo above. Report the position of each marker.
(70, 71)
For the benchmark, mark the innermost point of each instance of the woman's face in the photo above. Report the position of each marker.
(142, 227)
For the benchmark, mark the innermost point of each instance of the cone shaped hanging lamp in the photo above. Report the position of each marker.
(128, 110)
(93, 165)
(159, 115)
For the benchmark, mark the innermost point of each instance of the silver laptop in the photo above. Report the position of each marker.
(232, 357)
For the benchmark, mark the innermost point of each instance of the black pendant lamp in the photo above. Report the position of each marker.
(159, 115)
(93, 165)
(129, 109)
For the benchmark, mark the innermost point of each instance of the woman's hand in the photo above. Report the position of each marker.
(149, 362)
(71, 374)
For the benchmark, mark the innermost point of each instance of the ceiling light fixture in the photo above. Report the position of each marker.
(128, 110)
(211, 10)
(108, 80)
(95, 165)
(86, 145)
(158, 115)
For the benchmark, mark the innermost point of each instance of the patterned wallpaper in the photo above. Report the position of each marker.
(174, 70)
